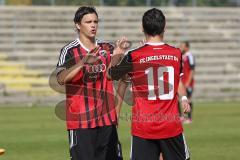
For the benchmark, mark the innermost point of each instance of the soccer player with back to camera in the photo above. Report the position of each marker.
(90, 110)
(188, 75)
(154, 70)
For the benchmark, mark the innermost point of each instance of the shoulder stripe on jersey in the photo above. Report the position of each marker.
(64, 52)
(72, 44)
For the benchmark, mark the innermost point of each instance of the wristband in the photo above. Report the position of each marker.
(184, 98)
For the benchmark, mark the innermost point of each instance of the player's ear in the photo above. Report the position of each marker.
(77, 26)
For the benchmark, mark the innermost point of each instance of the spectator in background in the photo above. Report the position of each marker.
(188, 75)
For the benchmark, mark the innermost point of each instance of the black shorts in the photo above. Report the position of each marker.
(99, 143)
(172, 149)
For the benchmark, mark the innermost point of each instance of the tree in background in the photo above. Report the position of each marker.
(83, 2)
(19, 2)
(214, 3)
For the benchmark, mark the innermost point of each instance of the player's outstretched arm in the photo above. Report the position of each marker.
(181, 89)
(68, 74)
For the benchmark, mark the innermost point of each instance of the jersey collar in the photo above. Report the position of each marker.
(84, 47)
(155, 43)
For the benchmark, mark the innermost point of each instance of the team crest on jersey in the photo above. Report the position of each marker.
(103, 53)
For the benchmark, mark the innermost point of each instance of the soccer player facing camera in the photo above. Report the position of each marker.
(154, 70)
(90, 109)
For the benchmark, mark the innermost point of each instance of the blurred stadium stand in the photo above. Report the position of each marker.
(31, 37)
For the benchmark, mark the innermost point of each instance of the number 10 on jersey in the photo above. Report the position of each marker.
(163, 95)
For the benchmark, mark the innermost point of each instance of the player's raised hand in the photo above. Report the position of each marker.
(185, 106)
(120, 48)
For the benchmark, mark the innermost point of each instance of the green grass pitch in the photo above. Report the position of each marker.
(37, 134)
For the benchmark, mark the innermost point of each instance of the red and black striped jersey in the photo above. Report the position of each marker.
(188, 66)
(90, 95)
(154, 69)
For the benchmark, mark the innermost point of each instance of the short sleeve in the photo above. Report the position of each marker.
(64, 61)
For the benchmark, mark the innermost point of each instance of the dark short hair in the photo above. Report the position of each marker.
(153, 22)
(83, 11)
(187, 43)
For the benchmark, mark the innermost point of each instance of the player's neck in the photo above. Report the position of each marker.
(154, 39)
(89, 43)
